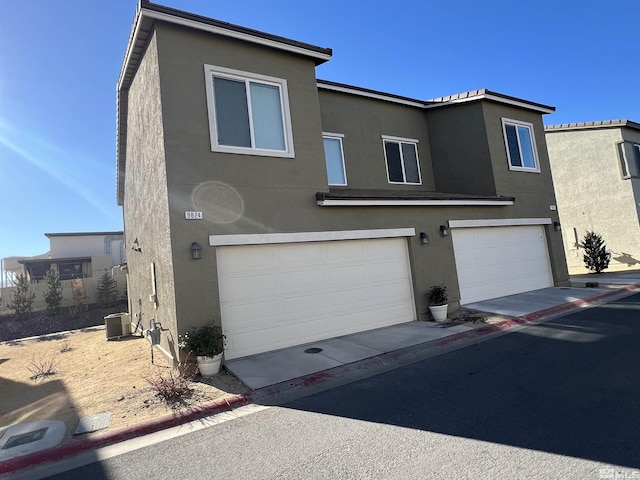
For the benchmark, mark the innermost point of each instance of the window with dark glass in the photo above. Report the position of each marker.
(402, 161)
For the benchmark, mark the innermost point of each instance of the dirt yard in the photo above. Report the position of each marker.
(91, 376)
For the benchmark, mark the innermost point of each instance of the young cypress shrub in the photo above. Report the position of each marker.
(53, 294)
(107, 291)
(596, 257)
(21, 297)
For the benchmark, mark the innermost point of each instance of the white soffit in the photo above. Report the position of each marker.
(267, 238)
(405, 202)
(498, 222)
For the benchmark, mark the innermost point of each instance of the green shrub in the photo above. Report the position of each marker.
(207, 341)
(53, 294)
(438, 295)
(596, 257)
(21, 297)
(107, 291)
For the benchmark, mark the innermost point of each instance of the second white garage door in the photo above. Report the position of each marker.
(497, 261)
(279, 295)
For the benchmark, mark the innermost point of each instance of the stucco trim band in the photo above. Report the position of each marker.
(409, 203)
(498, 222)
(267, 238)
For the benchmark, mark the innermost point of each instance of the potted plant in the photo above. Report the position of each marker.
(207, 344)
(438, 302)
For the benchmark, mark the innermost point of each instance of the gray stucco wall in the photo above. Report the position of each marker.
(592, 195)
(459, 145)
(146, 207)
(363, 122)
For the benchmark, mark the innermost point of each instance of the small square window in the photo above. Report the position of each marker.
(521, 147)
(334, 158)
(401, 157)
(248, 113)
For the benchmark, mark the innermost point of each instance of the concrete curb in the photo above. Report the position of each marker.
(228, 404)
(75, 447)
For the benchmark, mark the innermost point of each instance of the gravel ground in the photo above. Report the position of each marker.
(39, 323)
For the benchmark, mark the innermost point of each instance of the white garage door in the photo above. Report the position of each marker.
(280, 295)
(497, 261)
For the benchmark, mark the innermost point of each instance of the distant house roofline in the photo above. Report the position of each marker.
(29, 261)
(592, 125)
(81, 234)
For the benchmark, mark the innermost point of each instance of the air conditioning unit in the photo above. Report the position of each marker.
(117, 325)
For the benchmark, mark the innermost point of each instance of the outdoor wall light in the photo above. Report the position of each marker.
(196, 251)
(444, 231)
(556, 226)
(424, 238)
(136, 246)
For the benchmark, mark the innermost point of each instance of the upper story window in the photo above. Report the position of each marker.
(521, 145)
(248, 113)
(401, 157)
(334, 158)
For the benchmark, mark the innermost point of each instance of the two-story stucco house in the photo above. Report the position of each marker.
(596, 174)
(316, 209)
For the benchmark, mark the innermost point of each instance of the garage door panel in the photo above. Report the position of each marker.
(297, 255)
(297, 281)
(305, 292)
(235, 286)
(499, 261)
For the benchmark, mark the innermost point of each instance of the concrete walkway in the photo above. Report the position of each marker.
(262, 370)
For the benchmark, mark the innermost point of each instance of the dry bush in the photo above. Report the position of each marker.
(171, 385)
(43, 366)
(65, 346)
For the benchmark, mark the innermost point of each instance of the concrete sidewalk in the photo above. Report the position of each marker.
(346, 359)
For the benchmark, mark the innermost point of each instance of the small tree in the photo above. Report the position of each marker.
(21, 297)
(596, 257)
(53, 294)
(107, 291)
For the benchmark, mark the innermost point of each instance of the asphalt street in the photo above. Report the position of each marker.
(556, 400)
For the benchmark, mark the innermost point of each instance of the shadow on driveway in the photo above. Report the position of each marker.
(570, 386)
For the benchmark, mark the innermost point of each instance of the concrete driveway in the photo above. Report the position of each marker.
(262, 370)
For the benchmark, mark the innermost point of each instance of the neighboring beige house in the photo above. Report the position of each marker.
(290, 209)
(82, 256)
(596, 174)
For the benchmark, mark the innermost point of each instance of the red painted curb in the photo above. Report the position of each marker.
(124, 433)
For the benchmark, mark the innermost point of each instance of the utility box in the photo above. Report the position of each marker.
(117, 325)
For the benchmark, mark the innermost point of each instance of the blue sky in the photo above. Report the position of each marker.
(60, 60)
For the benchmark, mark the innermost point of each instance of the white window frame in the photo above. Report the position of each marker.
(211, 71)
(400, 140)
(529, 126)
(339, 137)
